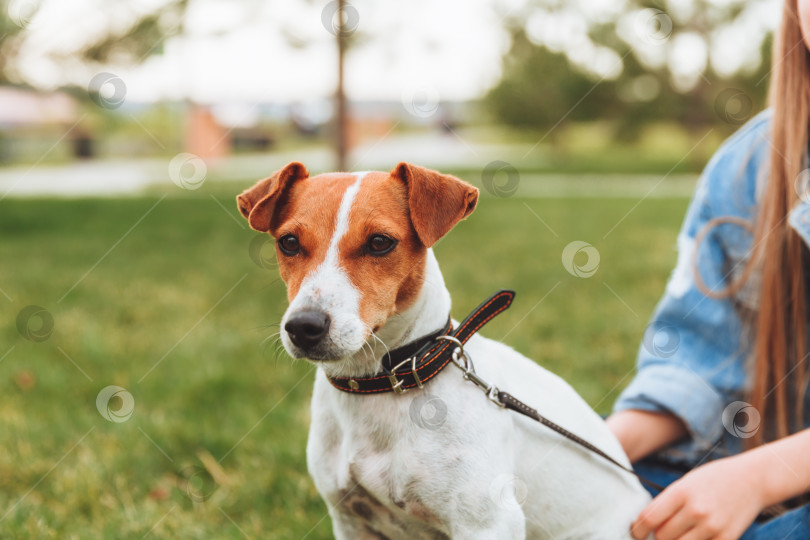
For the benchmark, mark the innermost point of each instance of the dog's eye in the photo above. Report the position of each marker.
(379, 244)
(289, 244)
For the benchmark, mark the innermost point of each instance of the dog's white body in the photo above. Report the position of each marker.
(443, 461)
(466, 468)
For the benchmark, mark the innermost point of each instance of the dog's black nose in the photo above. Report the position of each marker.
(307, 328)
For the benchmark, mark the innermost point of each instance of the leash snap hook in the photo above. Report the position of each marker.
(458, 356)
(463, 361)
(465, 364)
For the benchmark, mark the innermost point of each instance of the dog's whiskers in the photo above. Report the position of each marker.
(265, 326)
(387, 351)
(274, 341)
(275, 336)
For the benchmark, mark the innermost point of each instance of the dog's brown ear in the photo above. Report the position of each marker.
(260, 203)
(437, 201)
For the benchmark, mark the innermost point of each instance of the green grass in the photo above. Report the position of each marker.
(179, 295)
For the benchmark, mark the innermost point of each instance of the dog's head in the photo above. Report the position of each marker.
(351, 247)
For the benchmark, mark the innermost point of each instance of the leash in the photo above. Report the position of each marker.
(511, 402)
(414, 364)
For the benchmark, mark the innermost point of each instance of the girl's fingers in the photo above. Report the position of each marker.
(676, 526)
(657, 512)
(697, 533)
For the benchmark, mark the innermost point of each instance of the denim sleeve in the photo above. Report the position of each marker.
(691, 360)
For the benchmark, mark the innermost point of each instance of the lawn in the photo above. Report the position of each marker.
(164, 298)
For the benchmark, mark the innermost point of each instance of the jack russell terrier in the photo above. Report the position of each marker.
(414, 451)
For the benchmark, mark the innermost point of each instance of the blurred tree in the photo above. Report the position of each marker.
(540, 88)
(11, 26)
(143, 36)
(633, 62)
(133, 41)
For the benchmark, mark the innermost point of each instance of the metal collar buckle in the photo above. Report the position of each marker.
(396, 384)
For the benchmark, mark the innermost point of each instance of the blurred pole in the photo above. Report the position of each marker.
(340, 96)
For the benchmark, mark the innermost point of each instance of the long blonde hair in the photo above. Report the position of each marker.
(777, 374)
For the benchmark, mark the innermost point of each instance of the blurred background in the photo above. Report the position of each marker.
(145, 393)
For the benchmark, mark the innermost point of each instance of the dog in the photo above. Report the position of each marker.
(438, 461)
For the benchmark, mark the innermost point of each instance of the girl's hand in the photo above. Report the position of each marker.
(718, 500)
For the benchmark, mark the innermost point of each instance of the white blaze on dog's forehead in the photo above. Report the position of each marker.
(342, 220)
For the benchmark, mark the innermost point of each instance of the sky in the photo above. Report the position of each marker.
(283, 51)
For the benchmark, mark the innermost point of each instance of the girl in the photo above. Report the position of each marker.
(721, 385)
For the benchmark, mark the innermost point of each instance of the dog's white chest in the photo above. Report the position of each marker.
(380, 486)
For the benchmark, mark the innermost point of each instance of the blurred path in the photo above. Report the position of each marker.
(446, 151)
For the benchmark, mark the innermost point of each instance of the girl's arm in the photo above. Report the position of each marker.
(784, 467)
(641, 432)
(723, 497)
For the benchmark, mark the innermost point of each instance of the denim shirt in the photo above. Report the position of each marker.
(692, 361)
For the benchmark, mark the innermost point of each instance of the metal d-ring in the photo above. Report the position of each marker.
(453, 339)
(458, 352)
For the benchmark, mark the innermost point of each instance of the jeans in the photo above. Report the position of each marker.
(792, 525)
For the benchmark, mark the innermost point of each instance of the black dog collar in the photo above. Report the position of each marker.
(412, 365)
